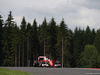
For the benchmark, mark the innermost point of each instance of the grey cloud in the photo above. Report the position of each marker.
(91, 4)
(75, 12)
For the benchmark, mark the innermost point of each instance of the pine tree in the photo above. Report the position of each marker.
(63, 32)
(35, 43)
(35, 38)
(9, 22)
(93, 33)
(19, 47)
(29, 38)
(52, 39)
(1, 34)
(78, 45)
(7, 44)
(70, 48)
(88, 36)
(23, 40)
(65, 40)
(59, 45)
(43, 36)
(97, 41)
(15, 43)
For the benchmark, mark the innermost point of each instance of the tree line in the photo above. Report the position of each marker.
(21, 45)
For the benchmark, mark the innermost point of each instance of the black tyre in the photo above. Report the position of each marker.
(35, 64)
(42, 62)
(57, 62)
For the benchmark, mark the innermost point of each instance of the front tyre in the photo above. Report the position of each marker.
(42, 62)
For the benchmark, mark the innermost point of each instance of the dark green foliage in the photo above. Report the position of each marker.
(88, 36)
(97, 41)
(97, 45)
(35, 39)
(20, 46)
(43, 38)
(9, 22)
(35, 43)
(78, 45)
(63, 43)
(23, 42)
(1, 34)
(52, 39)
(7, 38)
(29, 42)
(98, 61)
(93, 35)
(89, 57)
(15, 43)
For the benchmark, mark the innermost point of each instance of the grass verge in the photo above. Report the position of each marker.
(12, 72)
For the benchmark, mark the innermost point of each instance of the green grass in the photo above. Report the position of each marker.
(12, 72)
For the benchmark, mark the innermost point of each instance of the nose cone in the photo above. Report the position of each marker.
(51, 63)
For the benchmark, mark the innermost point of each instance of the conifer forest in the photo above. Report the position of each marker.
(21, 44)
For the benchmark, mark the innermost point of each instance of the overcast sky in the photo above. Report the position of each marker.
(78, 13)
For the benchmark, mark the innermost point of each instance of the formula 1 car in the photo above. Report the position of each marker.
(43, 61)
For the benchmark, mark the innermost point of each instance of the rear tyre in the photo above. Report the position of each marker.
(57, 62)
(35, 64)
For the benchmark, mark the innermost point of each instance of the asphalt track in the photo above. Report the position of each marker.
(56, 71)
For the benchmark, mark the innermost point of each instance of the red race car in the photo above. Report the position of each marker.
(43, 61)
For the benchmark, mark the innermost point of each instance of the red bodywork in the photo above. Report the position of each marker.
(46, 60)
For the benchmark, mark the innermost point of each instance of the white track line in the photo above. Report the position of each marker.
(92, 73)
